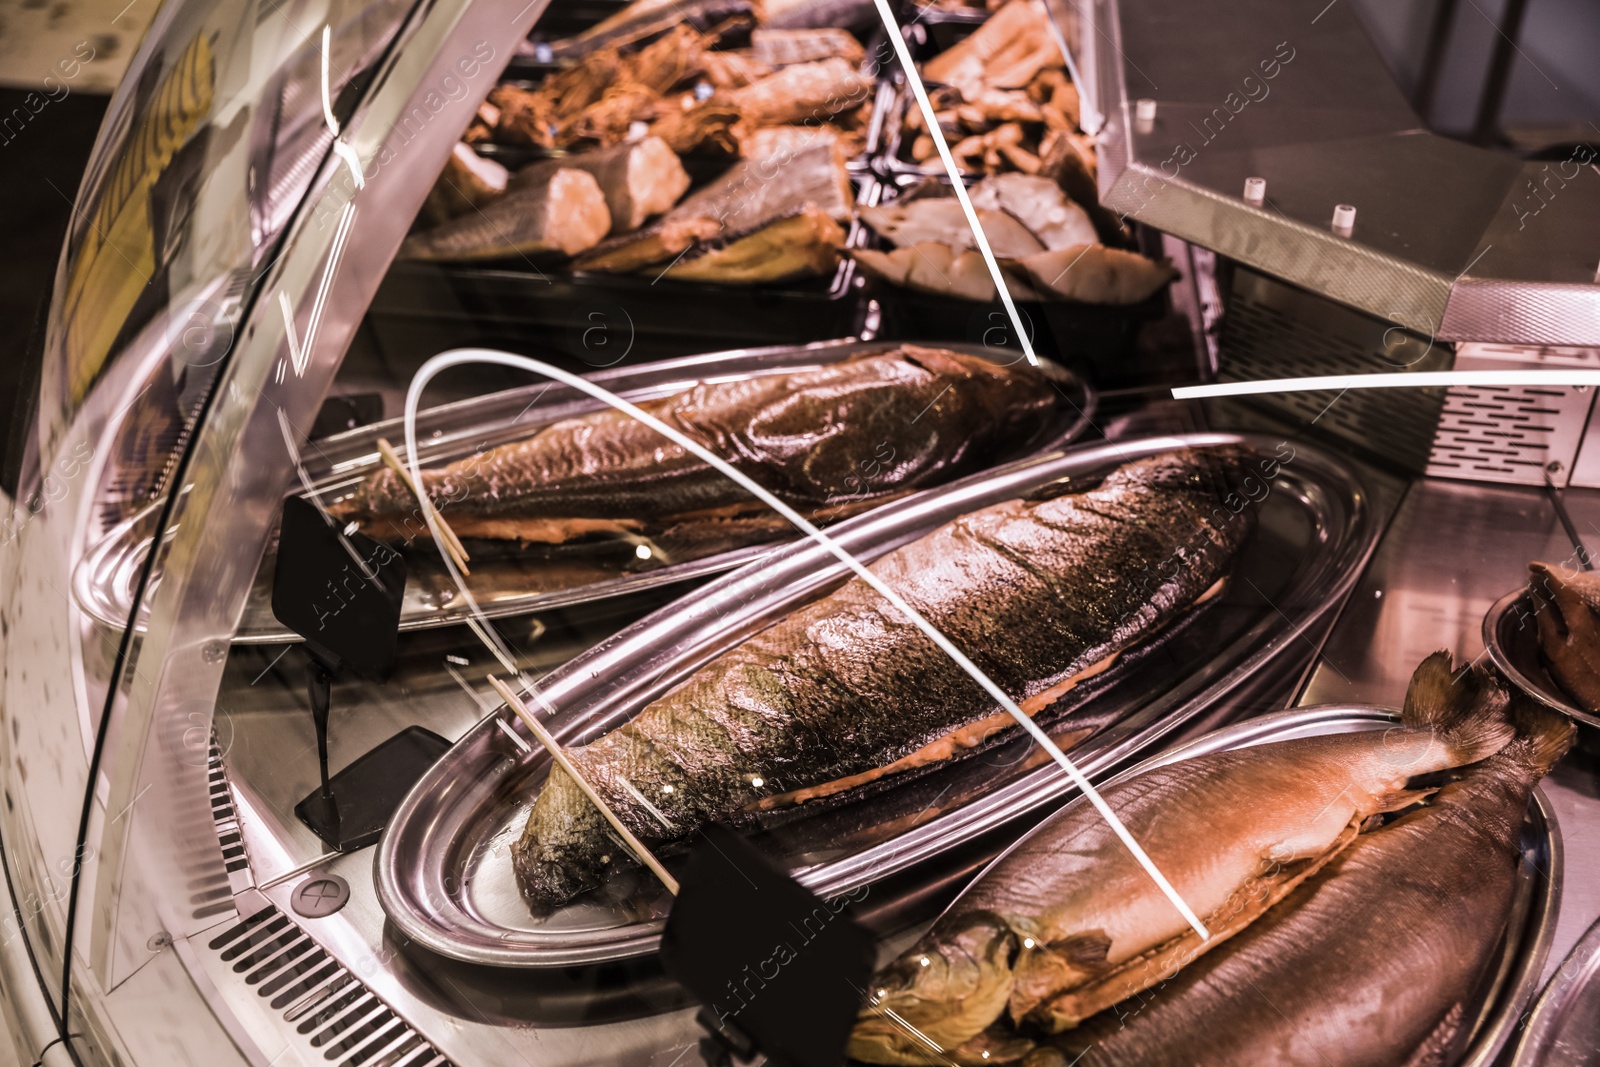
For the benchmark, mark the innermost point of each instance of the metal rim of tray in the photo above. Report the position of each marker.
(1503, 652)
(608, 684)
(1538, 897)
(352, 453)
(1562, 994)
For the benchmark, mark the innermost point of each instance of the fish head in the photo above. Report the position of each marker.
(940, 995)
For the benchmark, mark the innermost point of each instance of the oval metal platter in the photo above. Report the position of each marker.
(1564, 1028)
(519, 582)
(1512, 639)
(1491, 1021)
(443, 868)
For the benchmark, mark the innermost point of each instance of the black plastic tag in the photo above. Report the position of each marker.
(768, 958)
(340, 591)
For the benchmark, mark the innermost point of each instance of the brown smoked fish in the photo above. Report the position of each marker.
(1372, 962)
(1068, 923)
(1039, 593)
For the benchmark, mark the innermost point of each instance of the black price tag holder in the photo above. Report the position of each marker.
(776, 968)
(341, 591)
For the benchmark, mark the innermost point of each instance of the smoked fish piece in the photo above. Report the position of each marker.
(1373, 961)
(876, 424)
(639, 180)
(1037, 592)
(1068, 923)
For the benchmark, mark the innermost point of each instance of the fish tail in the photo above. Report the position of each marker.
(1543, 736)
(1468, 709)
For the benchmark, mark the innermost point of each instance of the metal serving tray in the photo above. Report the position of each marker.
(506, 585)
(443, 871)
(1564, 1028)
(1512, 639)
(1492, 1019)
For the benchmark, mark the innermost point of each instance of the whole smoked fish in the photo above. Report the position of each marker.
(1068, 923)
(1039, 593)
(876, 424)
(1372, 962)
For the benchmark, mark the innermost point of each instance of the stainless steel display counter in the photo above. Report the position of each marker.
(1452, 550)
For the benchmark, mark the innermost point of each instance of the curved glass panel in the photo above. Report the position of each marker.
(206, 151)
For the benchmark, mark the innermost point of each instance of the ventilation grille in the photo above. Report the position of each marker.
(1271, 331)
(1509, 433)
(339, 1018)
(229, 836)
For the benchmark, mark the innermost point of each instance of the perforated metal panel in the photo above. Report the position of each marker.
(1272, 330)
(1513, 434)
(217, 899)
(312, 998)
(336, 1018)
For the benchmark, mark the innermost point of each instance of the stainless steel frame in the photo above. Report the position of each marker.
(1562, 1029)
(1450, 240)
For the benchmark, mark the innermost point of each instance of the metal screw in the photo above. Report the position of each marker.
(1344, 219)
(213, 651)
(1554, 466)
(158, 941)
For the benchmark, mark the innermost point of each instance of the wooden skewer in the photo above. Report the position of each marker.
(560, 755)
(452, 543)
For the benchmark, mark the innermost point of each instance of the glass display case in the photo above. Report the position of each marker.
(837, 424)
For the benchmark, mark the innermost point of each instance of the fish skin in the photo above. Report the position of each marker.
(1569, 634)
(941, 219)
(1090, 909)
(1321, 980)
(803, 245)
(781, 48)
(817, 14)
(1032, 591)
(802, 93)
(751, 195)
(1095, 274)
(1006, 52)
(640, 179)
(803, 435)
(1040, 205)
(566, 214)
(646, 18)
(932, 267)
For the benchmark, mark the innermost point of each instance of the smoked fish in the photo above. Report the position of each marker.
(1040, 593)
(750, 196)
(639, 179)
(877, 424)
(1068, 923)
(1565, 602)
(1373, 961)
(565, 214)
